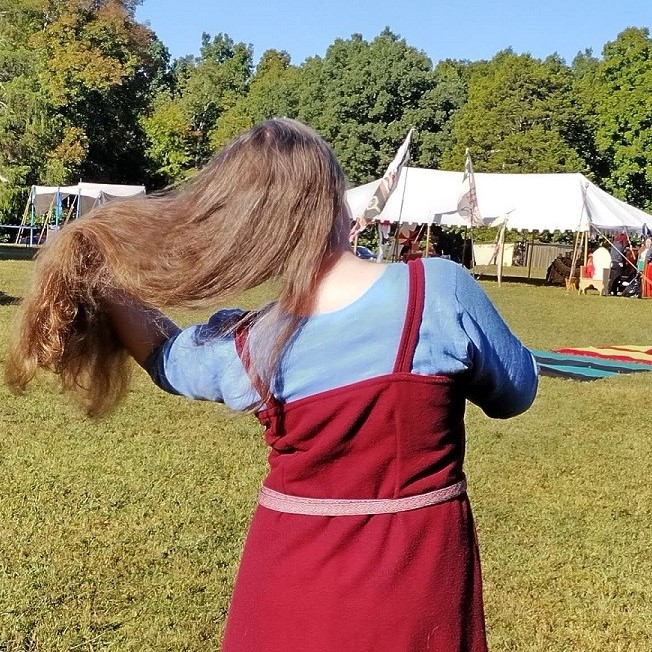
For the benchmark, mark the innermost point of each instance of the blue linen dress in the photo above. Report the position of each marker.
(461, 332)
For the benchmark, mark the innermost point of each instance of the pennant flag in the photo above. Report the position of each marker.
(467, 204)
(385, 188)
(499, 245)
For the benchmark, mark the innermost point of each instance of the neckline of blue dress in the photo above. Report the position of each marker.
(361, 301)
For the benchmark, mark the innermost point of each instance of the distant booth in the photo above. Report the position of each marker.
(50, 207)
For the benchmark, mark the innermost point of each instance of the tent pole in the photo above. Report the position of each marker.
(70, 210)
(46, 222)
(501, 254)
(464, 246)
(23, 219)
(32, 218)
(530, 252)
(586, 248)
(579, 243)
(58, 208)
(400, 212)
(427, 241)
(395, 244)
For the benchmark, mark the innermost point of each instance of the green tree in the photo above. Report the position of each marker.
(623, 104)
(219, 78)
(74, 78)
(171, 140)
(363, 97)
(101, 68)
(198, 92)
(585, 68)
(521, 116)
(273, 92)
(438, 110)
(24, 108)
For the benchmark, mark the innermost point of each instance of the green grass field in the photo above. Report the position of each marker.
(125, 534)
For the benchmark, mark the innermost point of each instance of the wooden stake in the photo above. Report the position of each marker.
(23, 220)
(501, 253)
(579, 241)
(530, 252)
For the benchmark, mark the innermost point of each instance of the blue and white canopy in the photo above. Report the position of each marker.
(89, 195)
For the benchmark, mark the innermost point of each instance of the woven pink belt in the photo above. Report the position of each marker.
(341, 507)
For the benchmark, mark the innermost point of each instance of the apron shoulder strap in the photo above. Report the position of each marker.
(413, 316)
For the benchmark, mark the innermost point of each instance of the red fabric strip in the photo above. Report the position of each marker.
(593, 354)
(413, 314)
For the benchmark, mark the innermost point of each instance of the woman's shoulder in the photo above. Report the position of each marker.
(439, 265)
(436, 267)
(444, 276)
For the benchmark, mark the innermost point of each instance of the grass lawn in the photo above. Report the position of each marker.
(125, 534)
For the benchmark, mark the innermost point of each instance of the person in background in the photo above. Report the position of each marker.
(363, 538)
(617, 262)
(645, 266)
(642, 254)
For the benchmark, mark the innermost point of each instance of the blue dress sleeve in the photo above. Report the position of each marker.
(200, 363)
(503, 375)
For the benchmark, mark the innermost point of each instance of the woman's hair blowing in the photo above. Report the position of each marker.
(268, 206)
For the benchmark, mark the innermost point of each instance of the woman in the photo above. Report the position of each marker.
(644, 266)
(642, 253)
(363, 538)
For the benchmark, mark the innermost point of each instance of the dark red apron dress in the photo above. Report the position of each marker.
(404, 582)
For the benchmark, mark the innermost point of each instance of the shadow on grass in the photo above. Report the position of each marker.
(17, 252)
(8, 300)
(521, 280)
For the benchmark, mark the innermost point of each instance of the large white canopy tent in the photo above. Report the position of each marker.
(531, 202)
(88, 195)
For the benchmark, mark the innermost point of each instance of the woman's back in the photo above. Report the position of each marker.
(359, 341)
(363, 513)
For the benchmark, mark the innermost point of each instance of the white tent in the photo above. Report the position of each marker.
(531, 202)
(89, 195)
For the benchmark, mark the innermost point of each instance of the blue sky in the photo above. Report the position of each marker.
(459, 29)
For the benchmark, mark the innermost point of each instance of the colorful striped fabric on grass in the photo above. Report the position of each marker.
(641, 354)
(593, 363)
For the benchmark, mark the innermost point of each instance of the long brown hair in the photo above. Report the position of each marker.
(268, 206)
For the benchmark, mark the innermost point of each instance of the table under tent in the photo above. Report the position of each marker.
(525, 202)
(58, 204)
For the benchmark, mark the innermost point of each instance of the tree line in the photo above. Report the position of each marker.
(87, 91)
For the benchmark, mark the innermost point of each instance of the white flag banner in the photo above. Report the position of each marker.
(467, 204)
(385, 188)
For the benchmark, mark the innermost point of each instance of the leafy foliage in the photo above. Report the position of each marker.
(86, 90)
(75, 78)
(364, 97)
(186, 111)
(520, 116)
(623, 83)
